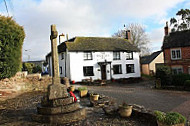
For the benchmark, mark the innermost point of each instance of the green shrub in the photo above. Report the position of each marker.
(37, 69)
(82, 88)
(28, 67)
(164, 73)
(179, 79)
(187, 83)
(11, 40)
(170, 118)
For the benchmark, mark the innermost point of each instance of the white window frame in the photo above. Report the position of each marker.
(120, 68)
(116, 55)
(177, 70)
(175, 50)
(129, 55)
(133, 70)
(88, 56)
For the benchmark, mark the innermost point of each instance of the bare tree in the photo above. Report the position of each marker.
(138, 37)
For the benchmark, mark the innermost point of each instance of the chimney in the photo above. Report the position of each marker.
(166, 29)
(67, 38)
(127, 33)
(60, 36)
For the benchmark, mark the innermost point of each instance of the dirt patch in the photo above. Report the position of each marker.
(18, 111)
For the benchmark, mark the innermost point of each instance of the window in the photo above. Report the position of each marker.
(175, 54)
(87, 55)
(130, 68)
(117, 69)
(129, 55)
(177, 70)
(116, 55)
(62, 55)
(88, 71)
(60, 70)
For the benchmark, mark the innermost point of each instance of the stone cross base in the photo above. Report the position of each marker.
(57, 107)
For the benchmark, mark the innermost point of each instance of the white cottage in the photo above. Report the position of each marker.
(97, 58)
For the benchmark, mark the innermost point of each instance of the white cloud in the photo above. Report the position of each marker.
(82, 18)
(156, 38)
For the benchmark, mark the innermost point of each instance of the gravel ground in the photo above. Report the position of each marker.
(17, 112)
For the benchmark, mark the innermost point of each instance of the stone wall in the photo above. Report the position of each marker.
(24, 82)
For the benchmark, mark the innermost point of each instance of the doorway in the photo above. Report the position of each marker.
(103, 72)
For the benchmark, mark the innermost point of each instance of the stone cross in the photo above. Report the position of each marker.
(54, 54)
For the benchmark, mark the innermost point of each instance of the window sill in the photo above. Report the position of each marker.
(130, 73)
(117, 73)
(129, 59)
(177, 59)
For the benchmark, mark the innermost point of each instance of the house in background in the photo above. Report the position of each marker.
(101, 58)
(176, 48)
(148, 63)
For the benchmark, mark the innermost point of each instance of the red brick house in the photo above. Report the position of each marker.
(176, 48)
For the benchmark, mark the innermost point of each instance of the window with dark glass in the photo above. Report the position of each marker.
(61, 70)
(62, 55)
(88, 71)
(129, 55)
(117, 69)
(116, 55)
(175, 54)
(130, 68)
(177, 70)
(87, 55)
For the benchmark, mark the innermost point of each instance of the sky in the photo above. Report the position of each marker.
(99, 18)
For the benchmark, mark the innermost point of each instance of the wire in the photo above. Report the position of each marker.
(6, 7)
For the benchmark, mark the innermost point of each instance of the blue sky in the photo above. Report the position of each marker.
(88, 18)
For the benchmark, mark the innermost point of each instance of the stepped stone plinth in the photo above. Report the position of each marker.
(58, 107)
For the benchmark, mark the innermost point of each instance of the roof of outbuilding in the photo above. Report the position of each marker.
(148, 59)
(177, 39)
(96, 44)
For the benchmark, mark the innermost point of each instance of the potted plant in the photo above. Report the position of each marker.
(125, 110)
(169, 119)
(83, 91)
(94, 96)
(72, 88)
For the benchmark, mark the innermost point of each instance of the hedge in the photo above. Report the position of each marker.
(11, 40)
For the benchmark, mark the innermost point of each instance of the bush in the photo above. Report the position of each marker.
(187, 84)
(170, 118)
(37, 69)
(164, 73)
(11, 40)
(179, 79)
(28, 67)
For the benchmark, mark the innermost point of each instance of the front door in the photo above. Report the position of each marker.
(103, 72)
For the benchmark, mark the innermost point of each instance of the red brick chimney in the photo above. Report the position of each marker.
(166, 29)
(128, 35)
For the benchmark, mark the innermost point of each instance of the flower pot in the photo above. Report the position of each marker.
(162, 124)
(94, 97)
(125, 111)
(72, 88)
(83, 93)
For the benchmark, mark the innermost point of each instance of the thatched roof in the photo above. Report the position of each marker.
(96, 44)
(177, 39)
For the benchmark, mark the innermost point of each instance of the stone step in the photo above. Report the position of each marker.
(57, 110)
(61, 119)
(56, 102)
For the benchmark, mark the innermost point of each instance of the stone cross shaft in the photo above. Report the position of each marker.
(54, 54)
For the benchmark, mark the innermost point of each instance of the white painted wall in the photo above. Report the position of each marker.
(75, 62)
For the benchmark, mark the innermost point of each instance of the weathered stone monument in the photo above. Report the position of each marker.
(57, 107)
